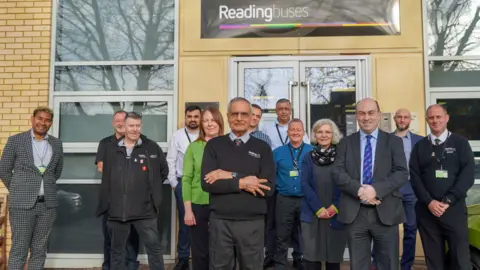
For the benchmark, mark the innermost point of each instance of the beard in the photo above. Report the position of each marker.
(192, 125)
(402, 129)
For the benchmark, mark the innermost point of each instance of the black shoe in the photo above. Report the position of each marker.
(298, 264)
(182, 264)
(269, 262)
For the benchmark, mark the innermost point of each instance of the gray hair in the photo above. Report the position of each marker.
(337, 135)
(237, 99)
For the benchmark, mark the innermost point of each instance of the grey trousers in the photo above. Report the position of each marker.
(243, 239)
(30, 231)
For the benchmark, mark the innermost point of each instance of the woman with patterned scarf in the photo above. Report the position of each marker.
(324, 239)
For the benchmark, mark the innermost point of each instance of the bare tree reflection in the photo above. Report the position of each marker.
(325, 80)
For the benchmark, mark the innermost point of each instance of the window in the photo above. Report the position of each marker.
(109, 56)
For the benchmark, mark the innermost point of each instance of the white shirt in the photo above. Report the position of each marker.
(443, 137)
(176, 152)
(282, 138)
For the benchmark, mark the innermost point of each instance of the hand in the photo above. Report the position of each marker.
(331, 211)
(174, 187)
(254, 185)
(437, 208)
(190, 218)
(219, 174)
(368, 194)
(323, 214)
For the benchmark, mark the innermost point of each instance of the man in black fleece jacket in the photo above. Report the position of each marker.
(134, 169)
(238, 171)
(441, 173)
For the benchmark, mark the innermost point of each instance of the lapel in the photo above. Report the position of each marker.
(54, 152)
(381, 145)
(356, 153)
(28, 144)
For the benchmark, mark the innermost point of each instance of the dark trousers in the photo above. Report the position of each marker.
(270, 241)
(287, 217)
(200, 237)
(366, 228)
(148, 232)
(318, 266)
(131, 249)
(409, 233)
(452, 228)
(183, 245)
(236, 238)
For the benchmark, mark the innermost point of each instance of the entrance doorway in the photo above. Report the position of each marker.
(318, 86)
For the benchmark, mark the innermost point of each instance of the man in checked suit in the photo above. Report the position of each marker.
(370, 169)
(31, 163)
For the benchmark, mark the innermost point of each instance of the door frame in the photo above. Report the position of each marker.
(234, 61)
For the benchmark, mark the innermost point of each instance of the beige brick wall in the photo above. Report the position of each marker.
(24, 65)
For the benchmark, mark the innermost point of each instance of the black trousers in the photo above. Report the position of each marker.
(148, 232)
(366, 228)
(200, 237)
(451, 228)
(242, 239)
(318, 266)
(287, 217)
(131, 251)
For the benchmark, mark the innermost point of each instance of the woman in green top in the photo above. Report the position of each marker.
(195, 199)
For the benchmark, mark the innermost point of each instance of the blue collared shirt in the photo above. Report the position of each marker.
(262, 136)
(289, 185)
(282, 138)
(245, 137)
(363, 143)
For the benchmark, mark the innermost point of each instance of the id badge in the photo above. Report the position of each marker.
(42, 169)
(294, 173)
(441, 174)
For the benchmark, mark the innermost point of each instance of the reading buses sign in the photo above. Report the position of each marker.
(296, 18)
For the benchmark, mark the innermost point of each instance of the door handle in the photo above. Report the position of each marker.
(306, 84)
(291, 84)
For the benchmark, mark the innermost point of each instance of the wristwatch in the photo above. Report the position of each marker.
(446, 200)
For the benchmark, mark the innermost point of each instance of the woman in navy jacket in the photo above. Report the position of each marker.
(324, 239)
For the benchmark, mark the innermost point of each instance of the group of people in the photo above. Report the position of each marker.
(246, 197)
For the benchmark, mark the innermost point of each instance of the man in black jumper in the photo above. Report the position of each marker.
(441, 173)
(238, 171)
(131, 191)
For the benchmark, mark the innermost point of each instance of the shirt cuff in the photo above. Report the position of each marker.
(319, 211)
(173, 182)
(334, 208)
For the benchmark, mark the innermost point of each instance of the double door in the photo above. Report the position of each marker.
(318, 87)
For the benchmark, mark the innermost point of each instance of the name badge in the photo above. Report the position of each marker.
(441, 174)
(294, 173)
(42, 169)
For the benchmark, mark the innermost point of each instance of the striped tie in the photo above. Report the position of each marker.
(367, 163)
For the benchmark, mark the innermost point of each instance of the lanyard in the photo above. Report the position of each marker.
(280, 136)
(188, 137)
(439, 160)
(44, 153)
(295, 161)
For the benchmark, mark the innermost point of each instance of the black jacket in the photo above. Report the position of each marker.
(132, 186)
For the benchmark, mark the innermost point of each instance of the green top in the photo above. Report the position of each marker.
(192, 170)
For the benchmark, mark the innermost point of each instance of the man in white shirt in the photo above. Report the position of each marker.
(176, 151)
(277, 132)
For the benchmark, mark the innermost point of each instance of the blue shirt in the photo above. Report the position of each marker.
(262, 136)
(289, 185)
(363, 142)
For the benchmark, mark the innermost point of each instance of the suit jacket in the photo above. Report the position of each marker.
(22, 178)
(389, 174)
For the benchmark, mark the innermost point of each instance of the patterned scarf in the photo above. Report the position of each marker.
(323, 157)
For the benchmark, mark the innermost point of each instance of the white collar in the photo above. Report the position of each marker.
(443, 137)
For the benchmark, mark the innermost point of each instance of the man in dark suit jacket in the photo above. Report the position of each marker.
(31, 163)
(370, 169)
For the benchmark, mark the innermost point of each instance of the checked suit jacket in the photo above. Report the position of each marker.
(22, 178)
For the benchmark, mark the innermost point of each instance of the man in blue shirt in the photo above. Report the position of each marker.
(253, 128)
(287, 212)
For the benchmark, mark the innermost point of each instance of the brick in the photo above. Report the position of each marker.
(21, 110)
(11, 105)
(7, 17)
(3, 22)
(19, 122)
(13, 69)
(40, 75)
(15, 10)
(7, 28)
(39, 98)
(44, 69)
(14, 34)
(29, 93)
(46, 22)
(23, 16)
(45, 57)
(10, 128)
(4, 122)
(31, 34)
(31, 45)
(4, 111)
(39, 87)
(41, 28)
(11, 116)
(22, 75)
(31, 69)
(6, 75)
(21, 99)
(44, 4)
(24, 4)
(46, 10)
(33, 10)
(14, 45)
(4, 87)
(33, 22)
(30, 81)
(29, 104)
(43, 93)
(41, 39)
(40, 63)
(13, 57)
(15, 22)
(45, 33)
(31, 57)
(5, 99)
(23, 40)
(45, 81)
(11, 81)
(40, 51)
(12, 93)
(22, 87)
(23, 51)
(7, 40)
(22, 63)
(41, 15)
(7, 5)
(7, 52)
(23, 28)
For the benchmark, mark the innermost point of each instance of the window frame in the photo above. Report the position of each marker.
(69, 260)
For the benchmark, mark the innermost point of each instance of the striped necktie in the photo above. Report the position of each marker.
(238, 141)
(367, 163)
